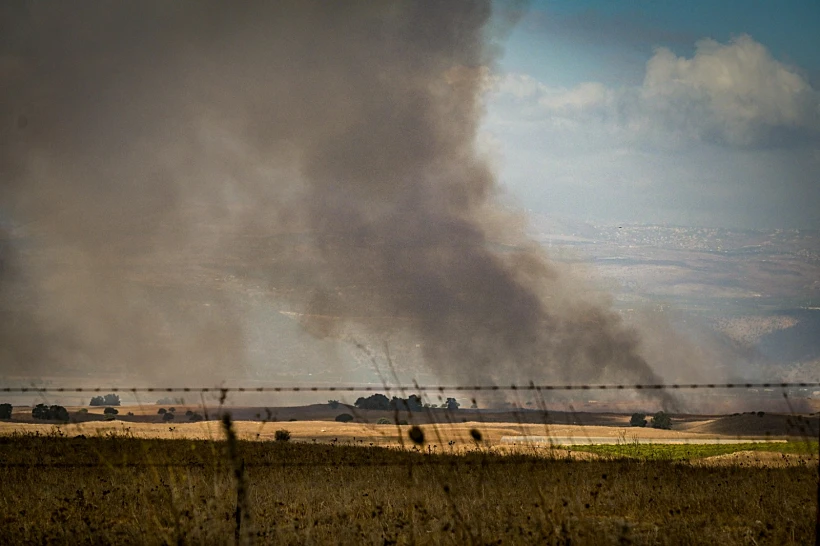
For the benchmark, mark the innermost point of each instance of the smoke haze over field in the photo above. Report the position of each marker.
(325, 150)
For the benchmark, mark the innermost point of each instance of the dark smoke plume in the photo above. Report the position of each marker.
(324, 150)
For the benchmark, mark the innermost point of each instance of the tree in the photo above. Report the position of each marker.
(162, 411)
(411, 403)
(637, 420)
(195, 418)
(107, 400)
(167, 401)
(110, 411)
(451, 404)
(281, 435)
(344, 418)
(376, 401)
(49, 413)
(168, 416)
(5, 411)
(333, 404)
(661, 420)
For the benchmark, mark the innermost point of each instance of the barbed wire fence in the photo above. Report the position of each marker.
(516, 410)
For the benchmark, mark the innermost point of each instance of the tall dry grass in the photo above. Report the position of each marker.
(119, 489)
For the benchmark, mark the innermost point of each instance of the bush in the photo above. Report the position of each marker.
(172, 410)
(333, 404)
(638, 420)
(167, 416)
(195, 417)
(107, 400)
(344, 418)
(281, 435)
(5, 411)
(661, 420)
(49, 413)
(162, 411)
(188, 413)
(384, 421)
(110, 411)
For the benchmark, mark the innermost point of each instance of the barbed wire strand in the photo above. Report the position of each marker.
(420, 388)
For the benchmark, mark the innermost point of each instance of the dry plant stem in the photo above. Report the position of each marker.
(238, 465)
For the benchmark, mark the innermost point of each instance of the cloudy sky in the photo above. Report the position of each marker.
(684, 113)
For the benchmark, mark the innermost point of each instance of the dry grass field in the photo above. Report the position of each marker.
(111, 482)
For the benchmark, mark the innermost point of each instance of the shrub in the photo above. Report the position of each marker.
(130, 414)
(195, 417)
(5, 411)
(344, 417)
(188, 413)
(167, 416)
(49, 413)
(384, 421)
(110, 411)
(333, 404)
(107, 400)
(172, 410)
(281, 435)
(661, 420)
(638, 420)
(162, 411)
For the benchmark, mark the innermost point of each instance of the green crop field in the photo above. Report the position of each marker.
(118, 489)
(682, 452)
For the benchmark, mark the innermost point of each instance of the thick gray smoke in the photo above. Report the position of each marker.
(323, 153)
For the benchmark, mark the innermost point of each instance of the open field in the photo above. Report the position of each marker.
(119, 489)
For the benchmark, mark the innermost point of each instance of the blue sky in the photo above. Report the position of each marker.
(687, 113)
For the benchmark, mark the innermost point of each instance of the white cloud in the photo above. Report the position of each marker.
(734, 93)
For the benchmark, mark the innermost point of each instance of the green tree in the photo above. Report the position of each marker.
(451, 404)
(661, 420)
(638, 420)
(376, 401)
(111, 399)
(50, 413)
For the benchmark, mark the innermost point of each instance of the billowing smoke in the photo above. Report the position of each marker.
(323, 154)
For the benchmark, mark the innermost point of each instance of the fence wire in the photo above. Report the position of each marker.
(420, 388)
